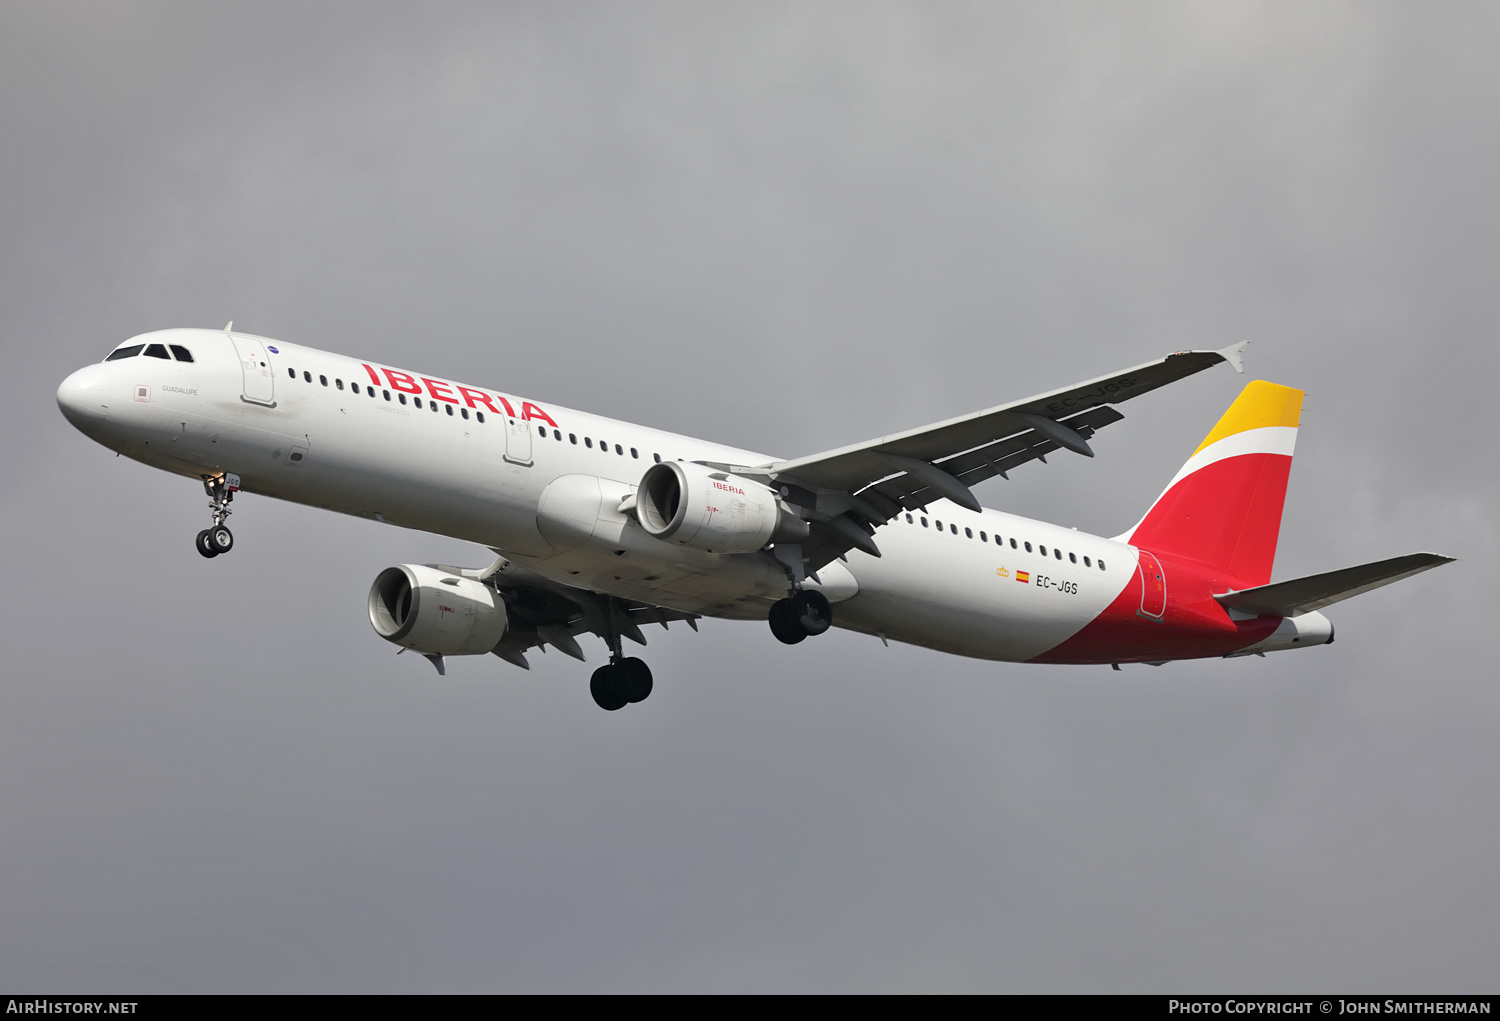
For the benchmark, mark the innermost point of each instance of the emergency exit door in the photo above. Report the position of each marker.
(517, 441)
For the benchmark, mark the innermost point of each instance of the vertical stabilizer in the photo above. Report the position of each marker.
(1224, 507)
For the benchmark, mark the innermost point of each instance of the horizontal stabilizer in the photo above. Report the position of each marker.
(1302, 595)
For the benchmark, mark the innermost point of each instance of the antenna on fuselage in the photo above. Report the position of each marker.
(229, 326)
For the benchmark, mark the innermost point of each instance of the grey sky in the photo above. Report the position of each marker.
(787, 227)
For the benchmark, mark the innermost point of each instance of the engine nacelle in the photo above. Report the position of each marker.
(695, 506)
(433, 611)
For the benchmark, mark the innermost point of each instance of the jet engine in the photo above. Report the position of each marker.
(436, 612)
(695, 506)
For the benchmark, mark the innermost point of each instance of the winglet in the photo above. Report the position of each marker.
(1234, 354)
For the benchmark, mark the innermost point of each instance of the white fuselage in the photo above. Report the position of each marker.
(543, 484)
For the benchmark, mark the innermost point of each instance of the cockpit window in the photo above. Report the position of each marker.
(157, 351)
(182, 353)
(129, 351)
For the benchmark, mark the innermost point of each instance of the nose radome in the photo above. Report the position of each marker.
(85, 394)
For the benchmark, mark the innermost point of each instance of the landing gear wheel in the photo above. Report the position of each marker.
(633, 679)
(811, 612)
(604, 689)
(783, 625)
(217, 539)
(220, 538)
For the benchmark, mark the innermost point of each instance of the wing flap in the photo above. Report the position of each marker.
(1302, 595)
(975, 466)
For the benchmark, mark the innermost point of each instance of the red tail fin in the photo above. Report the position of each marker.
(1224, 507)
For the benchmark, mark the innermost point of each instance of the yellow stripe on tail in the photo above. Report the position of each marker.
(1259, 405)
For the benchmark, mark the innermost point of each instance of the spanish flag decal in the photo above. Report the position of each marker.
(1023, 576)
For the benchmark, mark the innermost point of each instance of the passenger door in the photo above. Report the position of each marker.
(259, 382)
(1153, 586)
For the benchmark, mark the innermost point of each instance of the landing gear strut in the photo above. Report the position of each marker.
(624, 679)
(804, 614)
(218, 539)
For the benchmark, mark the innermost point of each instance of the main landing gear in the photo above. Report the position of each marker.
(624, 679)
(218, 538)
(620, 681)
(805, 614)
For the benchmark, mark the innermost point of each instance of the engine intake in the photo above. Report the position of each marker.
(433, 611)
(695, 506)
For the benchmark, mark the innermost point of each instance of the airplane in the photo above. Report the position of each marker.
(602, 527)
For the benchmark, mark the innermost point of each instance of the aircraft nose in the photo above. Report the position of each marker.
(84, 396)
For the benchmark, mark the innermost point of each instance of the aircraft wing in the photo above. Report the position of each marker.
(1301, 595)
(542, 612)
(851, 490)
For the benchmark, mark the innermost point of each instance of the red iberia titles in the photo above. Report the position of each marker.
(453, 393)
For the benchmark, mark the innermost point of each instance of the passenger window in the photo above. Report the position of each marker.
(968, 533)
(182, 353)
(1072, 559)
(542, 431)
(908, 519)
(633, 453)
(953, 528)
(1028, 547)
(449, 407)
(291, 373)
(573, 439)
(338, 383)
(557, 435)
(323, 380)
(924, 522)
(656, 458)
(307, 376)
(937, 524)
(1101, 565)
(1087, 562)
(387, 394)
(1013, 544)
(479, 415)
(1056, 553)
(434, 406)
(401, 398)
(983, 537)
(464, 412)
(1043, 550)
(588, 443)
(125, 352)
(999, 541)
(418, 402)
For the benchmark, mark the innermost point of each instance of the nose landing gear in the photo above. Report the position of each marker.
(218, 539)
(213, 541)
